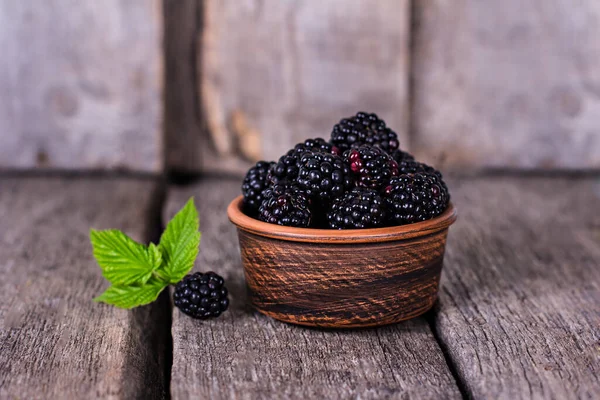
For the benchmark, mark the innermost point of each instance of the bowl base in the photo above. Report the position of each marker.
(331, 323)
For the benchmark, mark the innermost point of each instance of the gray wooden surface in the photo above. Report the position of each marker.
(518, 315)
(246, 355)
(273, 73)
(507, 83)
(54, 341)
(520, 299)
(81, 84)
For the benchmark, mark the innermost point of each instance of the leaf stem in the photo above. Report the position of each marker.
(160, 277)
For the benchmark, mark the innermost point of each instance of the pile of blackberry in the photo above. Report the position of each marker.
(360, 178)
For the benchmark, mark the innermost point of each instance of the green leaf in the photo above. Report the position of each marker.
(132, 296)
(154, 255)
(123, 260)
(179, 243)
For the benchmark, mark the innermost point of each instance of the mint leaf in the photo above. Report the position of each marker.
(123, 260)
(179, 243)
(132, 296)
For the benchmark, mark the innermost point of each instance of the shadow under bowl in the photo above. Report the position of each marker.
(341, 278)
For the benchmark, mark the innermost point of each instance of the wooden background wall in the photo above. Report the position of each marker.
(81, 84)
(193, 85)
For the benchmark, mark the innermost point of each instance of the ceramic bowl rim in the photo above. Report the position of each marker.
(311, 235)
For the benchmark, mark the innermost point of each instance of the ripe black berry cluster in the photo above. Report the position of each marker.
(359, 208)
(288, 165)
(323, 176)
(358, 179)
(361, 129)
(253, 186)
(285, 204)
(201, 296)
(372, 167)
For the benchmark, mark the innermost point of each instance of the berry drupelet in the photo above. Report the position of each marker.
(415, 197)
(253, 186)
(323, 176)
(357, 209)
(285, 204)
(364, 128)
(372, 167)
(287, 167)
(201, 295)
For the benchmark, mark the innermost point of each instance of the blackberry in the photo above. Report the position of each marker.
(323, 176)
(364, 128)
(409, 166)
(287, 167)
(285, 204)
(401, 156)
(201, 295)
(359, 208)
(371, 166)
(415, 197)
(320, 145)
(253, 186)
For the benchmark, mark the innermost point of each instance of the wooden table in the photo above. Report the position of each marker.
(518, 313)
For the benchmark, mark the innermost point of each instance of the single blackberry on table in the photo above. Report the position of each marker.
(372, 167)
(201, 295)
(287, 167)
(361, 129)
(254, 184)
(285, 204)
(415, 197)
(357, 209)
(323, 176)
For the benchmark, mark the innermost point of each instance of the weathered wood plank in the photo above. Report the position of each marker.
(244, 354)
(183, 132)
(507, 83)
(81, 84)
(291, 70)
(54, 341)
(519, 306)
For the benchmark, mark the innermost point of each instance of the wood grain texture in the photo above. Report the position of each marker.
(244, 354)
(520, 300)
(507, 83)
(291, 70)
(183, 132)
(81, 84)
(54, 341)
(371, 279)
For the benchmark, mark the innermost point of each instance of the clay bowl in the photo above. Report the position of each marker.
(341, 278)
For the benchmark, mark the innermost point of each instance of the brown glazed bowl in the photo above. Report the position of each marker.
(342, 278)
